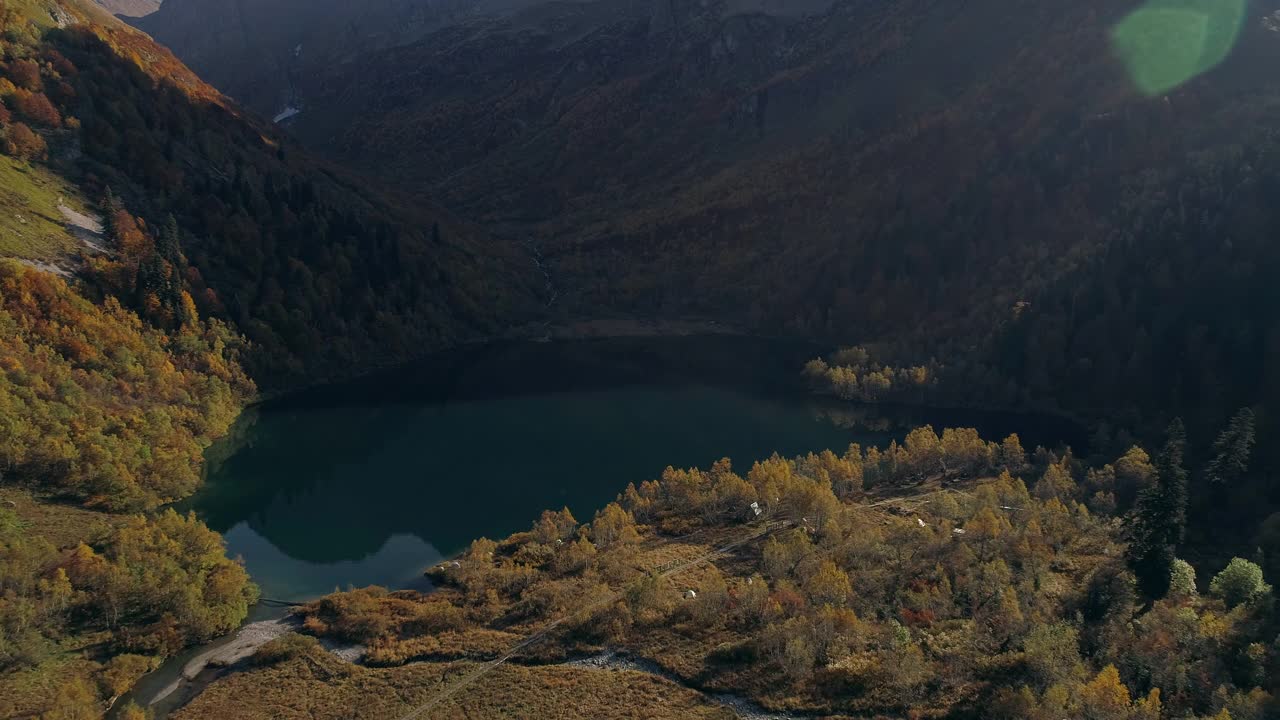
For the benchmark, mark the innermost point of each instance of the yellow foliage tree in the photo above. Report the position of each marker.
(829, 585)
(613, 526)
(1105, 697)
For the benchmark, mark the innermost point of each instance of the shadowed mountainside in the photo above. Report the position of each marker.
(972, 181)
(262, 52)
(324, 271)
(130, 8)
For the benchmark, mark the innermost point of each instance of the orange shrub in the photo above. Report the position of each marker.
(21, 142)
(23, 73)
(37, 108)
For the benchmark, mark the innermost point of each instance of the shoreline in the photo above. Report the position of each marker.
(539, 332)
(182, 678)
(186, 676)
(244, 643)
(621, 328)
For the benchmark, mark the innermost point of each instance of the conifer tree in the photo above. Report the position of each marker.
(110, 206)
(170, 245)
(1232, 449)
(1172, 476)
(1159, 519)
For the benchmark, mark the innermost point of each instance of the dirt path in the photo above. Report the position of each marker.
(252, 636)
(663, 571)
(47, 267)
(246, 642)
(742, 707)
(86, 228)
(535, 252)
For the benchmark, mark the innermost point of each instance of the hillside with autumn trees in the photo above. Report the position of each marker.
(102, 415)
(943, 577)
(984, 198)
(981, 195)
(320, 271)
(163, 258)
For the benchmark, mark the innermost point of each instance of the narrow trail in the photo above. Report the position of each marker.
(663, 571)
(742, 707)
(87, 229)
(535, 251)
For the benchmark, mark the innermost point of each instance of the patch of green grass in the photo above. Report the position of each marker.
(38, 12)
(31, 228)
(30, 691)
(62, 524)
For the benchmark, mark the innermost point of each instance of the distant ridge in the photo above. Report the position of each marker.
(130, 8)
(979, 180)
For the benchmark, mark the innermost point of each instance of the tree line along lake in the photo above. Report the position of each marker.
(374, 480)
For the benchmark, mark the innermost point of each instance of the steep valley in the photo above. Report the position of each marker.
(888, 358)
(910, 174)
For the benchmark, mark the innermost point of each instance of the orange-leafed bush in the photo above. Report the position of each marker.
(101, 407)
(37, 108)
(23, 73)
(22, 142)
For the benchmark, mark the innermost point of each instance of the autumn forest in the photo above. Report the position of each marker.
(1040, 226)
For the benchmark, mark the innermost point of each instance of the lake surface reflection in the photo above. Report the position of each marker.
(371, 482)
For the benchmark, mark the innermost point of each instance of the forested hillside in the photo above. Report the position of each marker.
(994, 186)
(865, 589)
(100, 410)
(1003, 204)
(318, 270)
(158, 247)
(103, 412)
(258, 52)
(99, 407)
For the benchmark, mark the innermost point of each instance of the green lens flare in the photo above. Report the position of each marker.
(1165, 43)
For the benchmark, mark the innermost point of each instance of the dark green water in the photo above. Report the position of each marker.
(371, 482)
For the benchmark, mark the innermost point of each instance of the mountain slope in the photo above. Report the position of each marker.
(130, 8)
(915, 174)
(154, 241)
(261, 50)
(322, 270)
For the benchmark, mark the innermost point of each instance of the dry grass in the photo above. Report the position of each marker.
(28, 691)
(61, 524)
(737, 655)
(320, 687)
